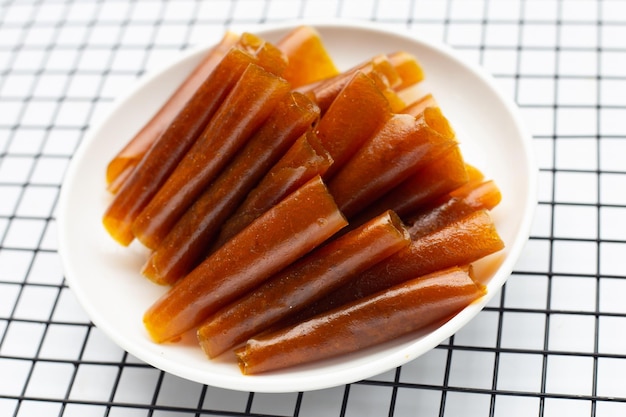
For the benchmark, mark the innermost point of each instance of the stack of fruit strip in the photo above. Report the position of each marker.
(298, 212)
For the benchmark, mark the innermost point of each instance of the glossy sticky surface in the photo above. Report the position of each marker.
(98, 270)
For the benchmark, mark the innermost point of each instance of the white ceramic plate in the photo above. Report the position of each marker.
(105, 277)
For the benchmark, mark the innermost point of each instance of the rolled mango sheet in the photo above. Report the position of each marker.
(188, 241)
(269, 57)
(384, 316)
(402, 146)
(307, 280)
(408, 68)
(305, 159)
(473, 173)
(244, 110)
(165, 154)
(473, 196)
(360, 109)
(418, 106)
(308, 61)
(326, 91)
(436, 179)
(167, 151)
(458, 243)
(396, 103)
(127, 158)
(292, 228)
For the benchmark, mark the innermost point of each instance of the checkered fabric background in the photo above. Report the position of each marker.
(551, 343)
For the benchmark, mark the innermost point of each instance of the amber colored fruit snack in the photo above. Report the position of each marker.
(273, 241)
(404, 308)
(359, 100)
(251, 101)
(187, 242)
(461, 242)
(287, 197)
(324, 92)
(398, 149)
(121, 166)
(308, 60)
(303, 282)
(432, 181)
(306, 159)
(172, 145)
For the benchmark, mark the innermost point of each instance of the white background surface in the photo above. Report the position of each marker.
(550, 344)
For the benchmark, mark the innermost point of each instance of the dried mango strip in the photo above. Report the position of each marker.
(458, 243)
(303, 282)
(326, 91)
(306, 159)
(170, 147)
(120, 167)
(396, 103)
(419, 105)
(401, 147)
(433, 181)
(279, 237)
(186, 244)
(360, 109)
(246, 108)
(400, 310)
(307, 57)
(162, 158)
(473, 173)
(473, 196)
(408, 67)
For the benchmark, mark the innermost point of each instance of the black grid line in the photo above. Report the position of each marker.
(577, 361)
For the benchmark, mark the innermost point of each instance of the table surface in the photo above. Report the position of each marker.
(551, 343)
